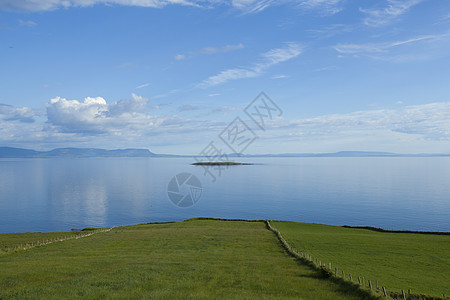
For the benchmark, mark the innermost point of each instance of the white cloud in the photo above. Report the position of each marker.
(227, 75)
(381, 47)
(96, 123)
(246, 6)
(394, 9)
(22, 114)
(326, 7)
(180, 57)
(143, 85)
(329, 68)
(95, 115)
(45, 5)
(270, 58)
(225, 109)
(252, 6)
(429, 121)
(189, 107)
(280, 76)
(28, 23)
(377, 50)
(210, 50)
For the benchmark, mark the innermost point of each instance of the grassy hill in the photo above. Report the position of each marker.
(198, 259)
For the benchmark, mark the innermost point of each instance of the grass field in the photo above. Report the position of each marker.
(398, 261)
(197, 259)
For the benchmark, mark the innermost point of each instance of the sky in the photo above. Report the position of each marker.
(172, 75)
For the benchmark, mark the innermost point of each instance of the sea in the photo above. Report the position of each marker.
(61, 194)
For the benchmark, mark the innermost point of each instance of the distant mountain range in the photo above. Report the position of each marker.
(74, 152)
(344, 154)
(9, 152)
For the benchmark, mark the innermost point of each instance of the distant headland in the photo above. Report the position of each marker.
(11, 152)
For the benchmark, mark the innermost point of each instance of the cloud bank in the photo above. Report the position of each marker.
(429, 121)
(94, 121)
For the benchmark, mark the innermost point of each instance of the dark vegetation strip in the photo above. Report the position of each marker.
(397, 231)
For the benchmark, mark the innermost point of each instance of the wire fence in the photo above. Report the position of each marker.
(367, 284)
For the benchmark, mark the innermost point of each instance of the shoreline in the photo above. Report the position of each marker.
(372, 228)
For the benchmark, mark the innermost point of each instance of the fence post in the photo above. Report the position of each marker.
(384, 292)
(370, 284)
(351, 279)
(403, 294)
(335, 272)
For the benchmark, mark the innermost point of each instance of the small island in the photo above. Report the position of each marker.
(220, 163)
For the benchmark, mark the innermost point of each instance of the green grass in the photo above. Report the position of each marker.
(10, 241)
(398, 261)
(197, 259)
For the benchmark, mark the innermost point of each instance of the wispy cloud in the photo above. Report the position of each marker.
(393, 10)
(328, 68)
(45, 5)
(252, 6)
(326, 7)
(429, 121)
(332, 30)
(248, 6)
(209, 50)
(143, 85)
(280, 76)
(225, 109)
(28, 23)
(190, 107)
(376, 50)
(270, 58)
(180, 56)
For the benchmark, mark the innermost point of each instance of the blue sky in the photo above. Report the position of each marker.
(171, 75)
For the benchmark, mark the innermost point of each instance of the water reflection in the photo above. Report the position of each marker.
(59, 194)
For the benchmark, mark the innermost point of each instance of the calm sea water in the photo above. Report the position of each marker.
(58, 194)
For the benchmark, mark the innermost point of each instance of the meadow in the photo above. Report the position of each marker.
(196, 259)
(204, 259)
(398, 261)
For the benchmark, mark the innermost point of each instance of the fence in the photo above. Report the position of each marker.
(372, 286)
(43, 242)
